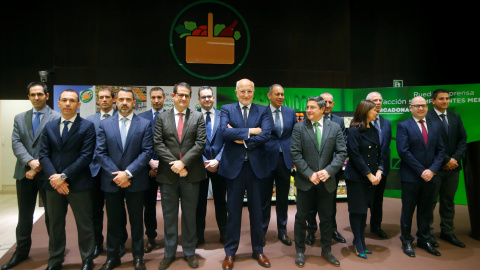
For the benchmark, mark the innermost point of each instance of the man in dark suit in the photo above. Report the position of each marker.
(311, 220)
(212, 156)
(385, 133)
(124, 147)
(26, 142)
(105, 98)
(318, 151)
(455, 140)
(421, 152)
(67, 150)
(179, 141)
(157, 98)
(280, 164)
(246, 128)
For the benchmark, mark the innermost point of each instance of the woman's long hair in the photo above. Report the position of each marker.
(359, 120)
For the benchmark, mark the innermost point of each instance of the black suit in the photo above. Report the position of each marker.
(455, 141)
(72, 158)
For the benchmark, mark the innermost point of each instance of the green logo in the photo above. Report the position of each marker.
(86, 95)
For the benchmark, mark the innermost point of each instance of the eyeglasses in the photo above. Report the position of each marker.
(183, 96)
(206, 97)
(416, 106)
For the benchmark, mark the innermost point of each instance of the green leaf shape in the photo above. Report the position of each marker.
(180, 29)
(217, 29)
(190, 25)
(237, 35)
(185, 34)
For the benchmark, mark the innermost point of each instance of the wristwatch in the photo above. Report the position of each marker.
(63, 176)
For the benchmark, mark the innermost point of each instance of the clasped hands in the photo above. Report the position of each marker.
(211, 165)
(35, 167)
(320, 176)
(59, 184)
(427, 175)
(178, 167)
(451, 165)
(375, 179)
(251, 131)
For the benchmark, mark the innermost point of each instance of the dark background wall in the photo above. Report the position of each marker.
(325, 43)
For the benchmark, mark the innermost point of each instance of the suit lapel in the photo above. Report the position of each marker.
(73, 128)
(216, 122)
(325, 133)
(131, 130)
(114, 125)
(171, 120)
(252, 115)
(414, 126)
(311, 134)
(28, 122)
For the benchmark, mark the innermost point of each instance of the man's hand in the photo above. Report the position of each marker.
(323, 175)
(153, 164)
(427, 175)
(373, 179)
(379, 176)
(153, 173)
(56, 180)
(121, 179)
(212, 165)
(30, 174)
(451, 164)
(254, 131)
(183, 172)
(35, 165)
(314, 178)
(177, 166)
(63, 189)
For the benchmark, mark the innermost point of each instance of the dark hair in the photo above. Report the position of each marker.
(438, 91)
(128, 90)
(184, 84)
(32, 84)
(270, 89)
(204, 88)
(157, 88)
(359, 120)
(320, 101)
(68, 90)
(112, 94)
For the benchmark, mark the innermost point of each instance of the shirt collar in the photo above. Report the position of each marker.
(160, 111)
(109, 113)
(212, 110)
(439, 113)
(71, 119)
(41, 111)
(274, 109)
(241, 105)
(416, 119)
(177, 112)
(129, 117)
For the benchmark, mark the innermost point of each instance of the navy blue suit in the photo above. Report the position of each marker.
(72, 158)
(134, 158)
(416, 157)
(213, 150)
(244, 173)
(280, 165)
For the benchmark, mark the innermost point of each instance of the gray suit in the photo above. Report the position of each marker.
(172, 186)
(308, 158)
(27, 147)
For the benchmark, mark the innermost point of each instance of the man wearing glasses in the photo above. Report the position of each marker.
(179, 141)
(421, 151)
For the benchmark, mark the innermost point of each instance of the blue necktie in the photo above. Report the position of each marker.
(245, 115)
(208, 122)
(278, 123)
(155, 117)
(65, 130)
(444, 120)
(36, 123)
(123, 132)
(377, 126)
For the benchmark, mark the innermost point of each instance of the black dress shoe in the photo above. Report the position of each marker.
(122, 251)
(300, 259)
(16, 259)
(200, 241)
(434, 242)
(98, 250)
(407, 249)
(429, 248)
(54, 267)
(452, 239)
(111, 264)
(139, 264)
(87, 264)
(380, 233)
(338, 237)
(149, 246)
(284, 239)
(192, 261)
(331, 259)
(165, 263)
(310, 239)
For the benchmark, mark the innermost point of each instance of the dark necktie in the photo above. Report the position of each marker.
(36, 123)
(65, 130)
(377, 126)
(155, 117)
(208, 123)
(278, 123)
(327, 117)
(245, 115)
(424, 131)
(444, 120)
(105, 116)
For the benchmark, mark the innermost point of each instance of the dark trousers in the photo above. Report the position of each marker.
(150, 215)
(416, 195)
(446, 187)
(115, 206)
(57, 207)
(376, 211)
(219, 189)
(312, 217)
(317, 197)
(246, 180)
(281, 176)
(171, 194)
(27, 190)
(358, 223)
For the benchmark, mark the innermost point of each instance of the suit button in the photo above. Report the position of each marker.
(368, 155)
(369, 146)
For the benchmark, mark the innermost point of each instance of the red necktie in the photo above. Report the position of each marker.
(180, 128)
(424, 131)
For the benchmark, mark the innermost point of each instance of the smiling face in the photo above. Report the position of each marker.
(68, 104)
(372, 114)
(328, 103)
(314, 113)
(419, 107)
(38, 97)
(125, 103)
(377, 99)
(277, 97)
(441, 102)
(245, 91)
(206, 99)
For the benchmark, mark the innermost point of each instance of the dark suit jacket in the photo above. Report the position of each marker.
(214, 147)
(95, 165)
(276, 142)
(339, 120)
(234, 153)
(149, 116)
(415, 155)
(365, 155)
(134, 158)
(71, 157)
(455, 141)
(309, 159)
(25, 146)
(168, 146)
(386, 128)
